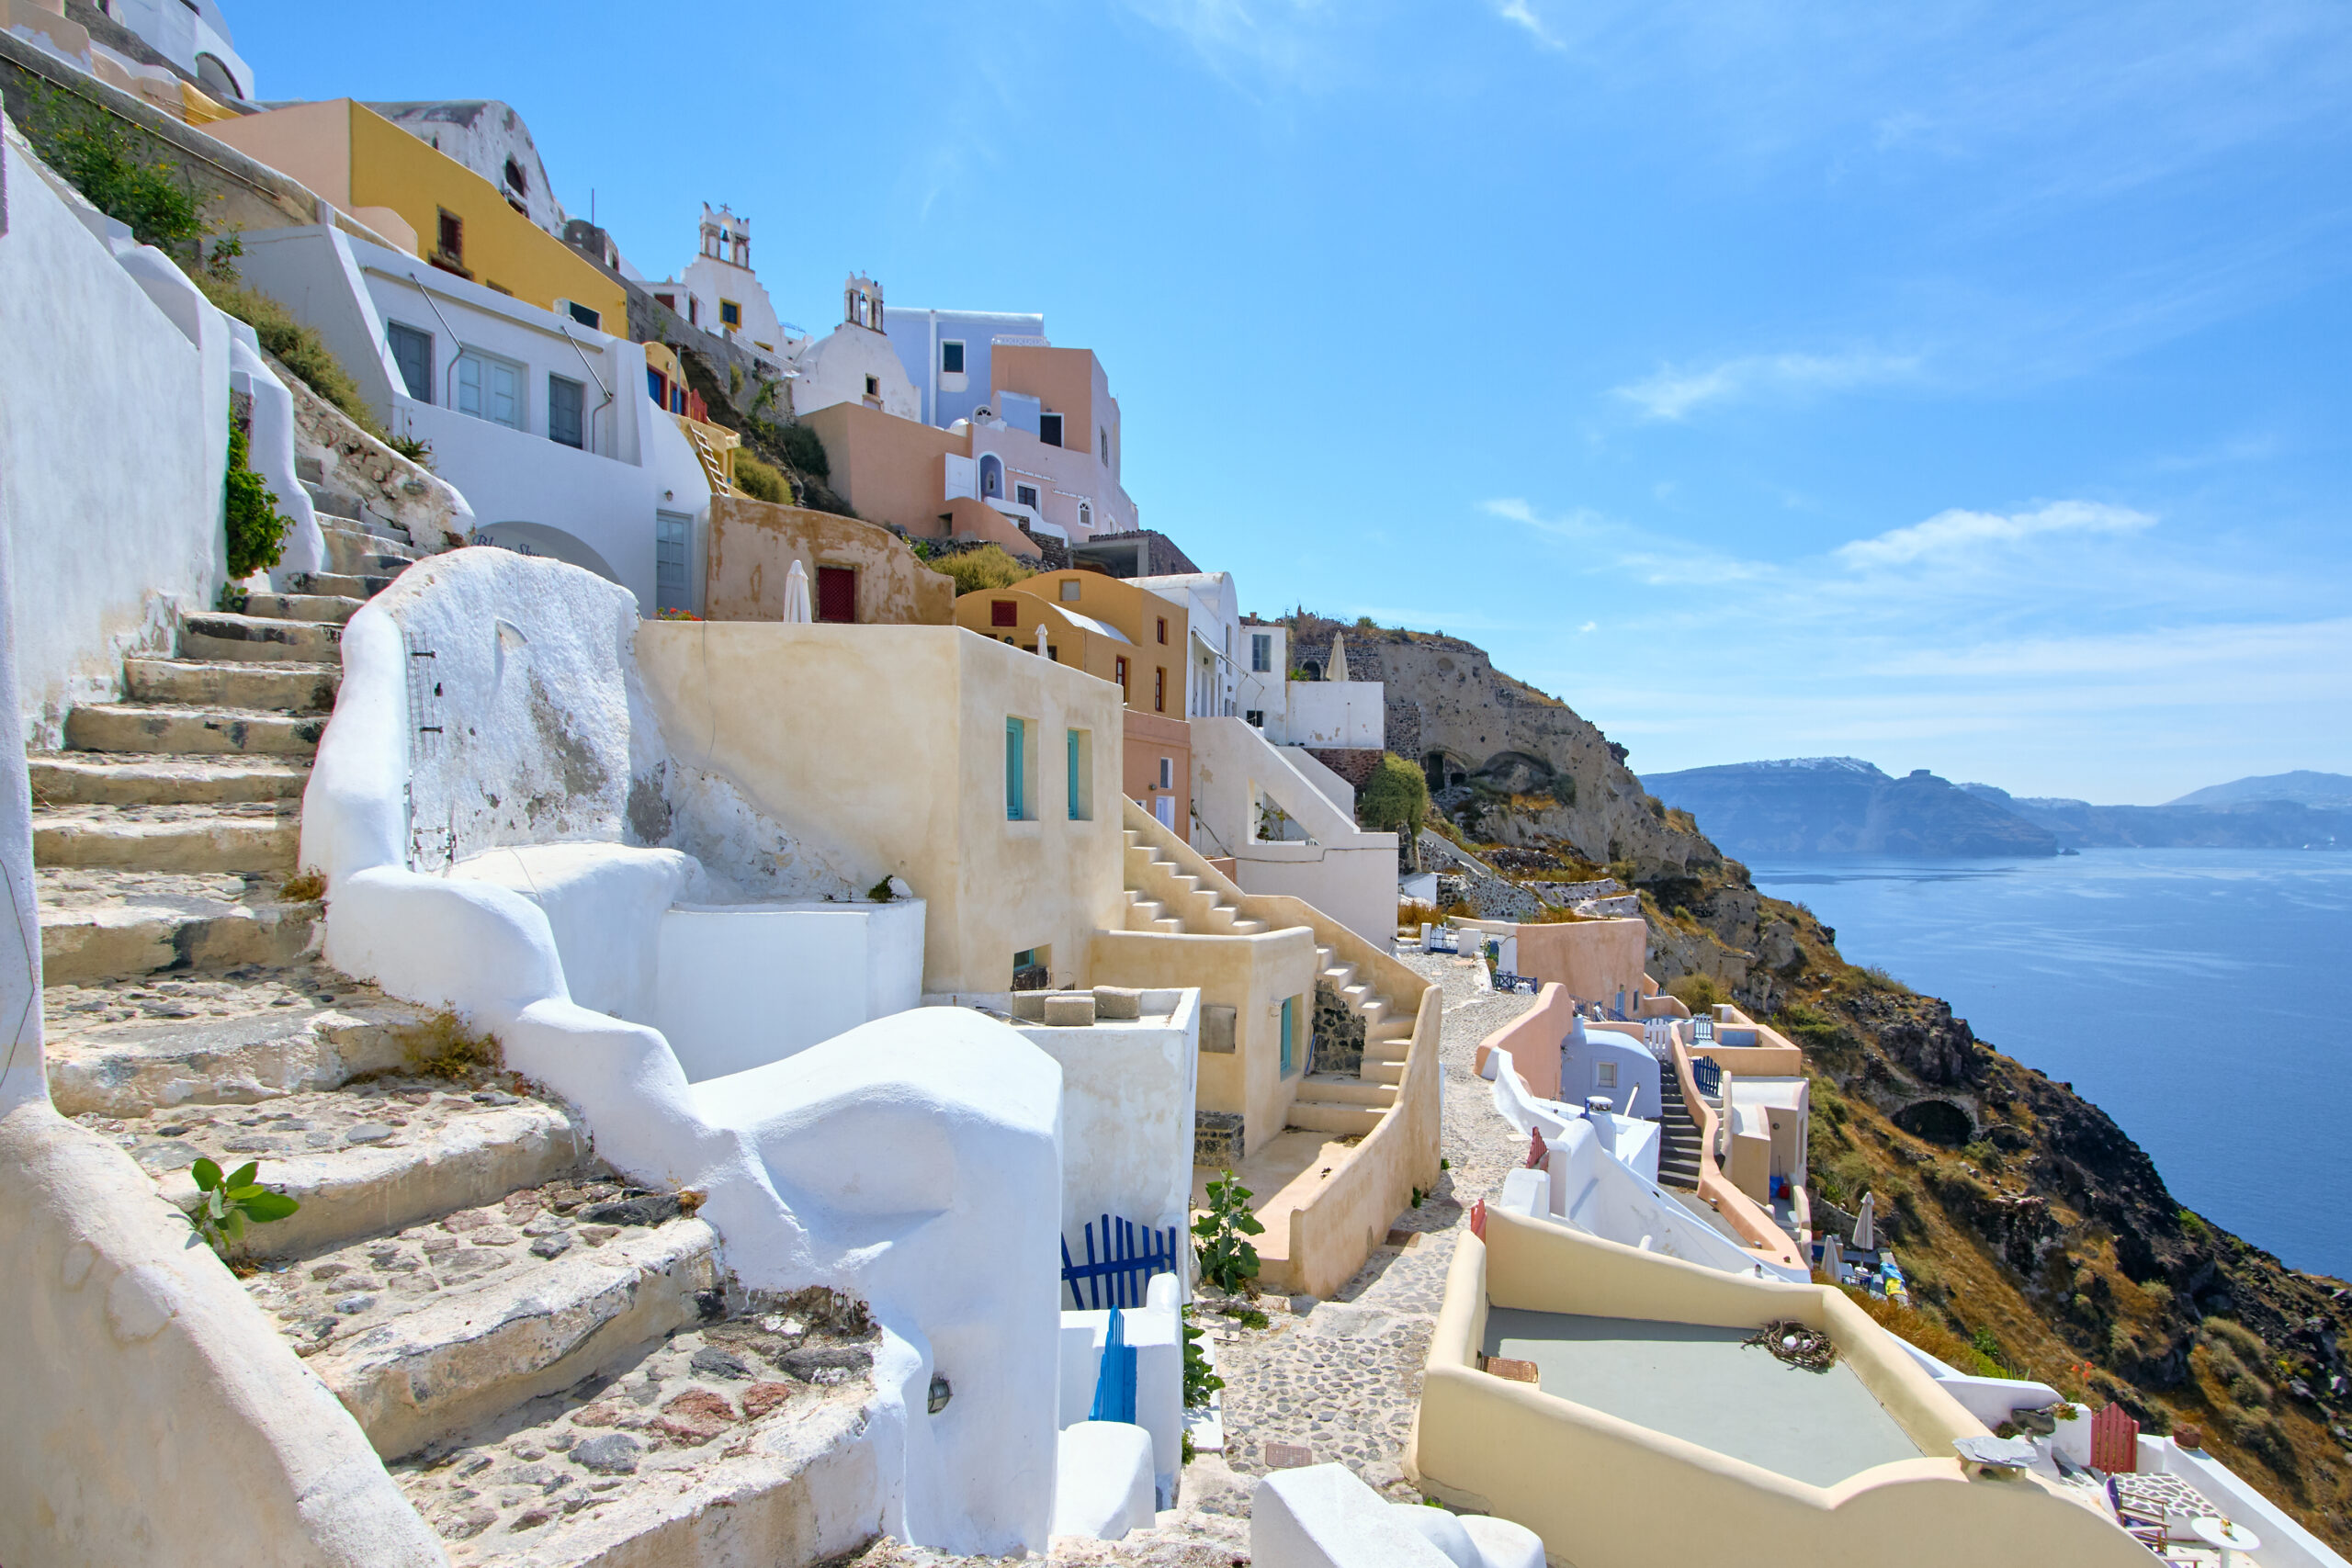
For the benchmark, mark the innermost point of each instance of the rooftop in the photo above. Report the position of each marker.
(1701, 1384)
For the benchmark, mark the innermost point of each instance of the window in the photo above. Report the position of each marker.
(656, 386)
(1086, 516)
(1159, 689)
(1003, 612)
(1025, 495)
(1290, 1018)
(673, 538)
(490, 388)
(1081, 776)
(514, 180)
(1256, 717)
(1262, 652)
(1163, 630)
(1049, 429)
(451, 239)
(677, 398)
(951, 357)
(565, 399)
(694, 311)
(1069, 590)
(1604, 1075)
(585, 315)
(837, 594)
(1168, 772)
(1104, 433)
(873, 386)
(667, 301)
(731, 314)
(412, 351)
(1119, 667)
(1016, 769)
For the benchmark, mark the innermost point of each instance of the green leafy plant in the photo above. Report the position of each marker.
(88, 147)
(1199, 1381)
(256, 534)
(415, 448)
(226, 1205)
(1394, 799)
(300, 348)
(759, 482)
(1247, 1316)
(1226, 1258)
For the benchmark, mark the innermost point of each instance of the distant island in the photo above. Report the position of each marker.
(1844, 805)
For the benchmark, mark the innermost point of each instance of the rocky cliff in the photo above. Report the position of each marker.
(1843, 806)
(2232, 825)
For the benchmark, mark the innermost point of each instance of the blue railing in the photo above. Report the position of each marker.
(1132, 1254)
(1708, 1075)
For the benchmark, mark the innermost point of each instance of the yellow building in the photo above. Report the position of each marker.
(443, 211)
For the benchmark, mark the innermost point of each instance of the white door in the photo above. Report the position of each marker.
(1164, 808)
(490, 388)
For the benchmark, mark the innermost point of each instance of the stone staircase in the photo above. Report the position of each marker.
(1678, 1145)
(553, 1364)
(1360, 1040)
(1162, 898)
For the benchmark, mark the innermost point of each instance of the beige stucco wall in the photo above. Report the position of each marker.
(1532, 1039)
(884, 747)
(1592, 958)
(1150, 738)
(311, 143)
(1567, 1471)
(754, 543)
(154, 1416)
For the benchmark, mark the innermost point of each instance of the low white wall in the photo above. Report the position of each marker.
(2285, 1543)
(744, 985)
(1127, 1099)
(114, 438)
(1345, 873)
(1154, 1332)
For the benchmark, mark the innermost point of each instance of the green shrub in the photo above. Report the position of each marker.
(986, 567)
(298, 347)
(86, 146)
(1199, 1381)
(1698, 992)
(1395, 797)
(1226, 1258)
(1870, 978)
(759, 482)
(256, 534)
(415, 448)
(803, 450)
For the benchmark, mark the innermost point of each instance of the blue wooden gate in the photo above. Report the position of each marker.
(1132, 1254)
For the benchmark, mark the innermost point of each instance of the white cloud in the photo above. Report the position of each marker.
(1578, 523)
(1520, 14)
(1672, 393)
(1954, 531)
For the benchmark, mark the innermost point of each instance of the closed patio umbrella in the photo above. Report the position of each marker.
(1866, 1225)
(1339, 656)
(796, 595)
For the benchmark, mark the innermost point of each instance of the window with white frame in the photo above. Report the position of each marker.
(1262, 652)
(490, 389)
(1604, 1075)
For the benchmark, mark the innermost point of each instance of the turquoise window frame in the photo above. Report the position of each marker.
(1015, 741)
(1290, 1014)
(1077, 796)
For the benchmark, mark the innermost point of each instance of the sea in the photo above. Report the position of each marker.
(2190, 994)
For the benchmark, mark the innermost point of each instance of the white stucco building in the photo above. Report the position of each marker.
(719, 292)
(1212, 678)
(854, 362)
(541, 422)
(491, 139)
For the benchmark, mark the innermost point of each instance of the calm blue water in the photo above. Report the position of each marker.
(2197, 995)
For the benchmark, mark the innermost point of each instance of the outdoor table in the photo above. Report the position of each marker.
(2223, 1535)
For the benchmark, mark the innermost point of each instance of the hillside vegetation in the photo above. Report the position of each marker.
(2041, 1239)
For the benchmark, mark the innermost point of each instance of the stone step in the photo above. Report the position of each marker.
(367, 541)
(280, 688)
(180, 728)
(1334, 1116)
(259, 836)
(1390, 1073)
(98, 924)
(1391, 1050)
(341, 583)
(328, 503)
(723, 1445)
(443, 1325)
(129, 1048)
(1396, 1029)
(330, 607)
(1341, 1089)
(129, 778)
(259, 639)
(310, 471)
(371, 1158)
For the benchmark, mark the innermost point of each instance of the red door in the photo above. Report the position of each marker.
(836, 594)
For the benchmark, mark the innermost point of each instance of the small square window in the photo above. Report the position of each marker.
(951, 357)
(1025, 495)
(1049, 429)
(1003, 612)
(451, 237)
(873, 386)
(1604, 1075)
(1069, 590)
(1257, 717)
(585, 315)
(731, 314)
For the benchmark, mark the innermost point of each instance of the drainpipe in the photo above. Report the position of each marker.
(565, 327)
(447, 381)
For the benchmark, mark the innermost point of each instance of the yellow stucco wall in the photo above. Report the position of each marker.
(754, 543)
(1566, 1471)
(884, 747)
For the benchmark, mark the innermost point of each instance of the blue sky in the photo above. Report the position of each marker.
(1958, 386)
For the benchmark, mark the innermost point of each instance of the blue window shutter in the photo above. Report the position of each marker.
(1013, 769)
(1287, 1003)
(1074, 801)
